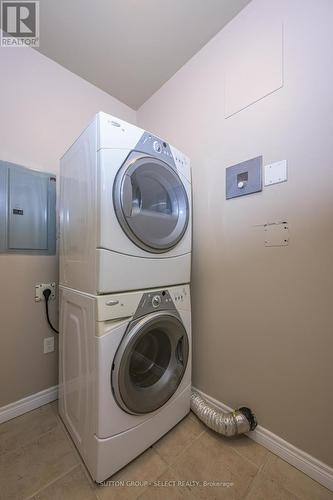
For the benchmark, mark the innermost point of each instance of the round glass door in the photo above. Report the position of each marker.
(151, 203)
(150, 363)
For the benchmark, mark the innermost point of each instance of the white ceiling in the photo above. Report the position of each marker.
(129, 48)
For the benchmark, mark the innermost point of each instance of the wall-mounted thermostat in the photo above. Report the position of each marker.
(244, 178)
(27, 210)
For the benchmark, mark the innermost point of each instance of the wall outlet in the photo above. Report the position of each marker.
(40, 287)
(48, 345)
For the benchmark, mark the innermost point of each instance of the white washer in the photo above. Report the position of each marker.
(125, 210)
(125, 371)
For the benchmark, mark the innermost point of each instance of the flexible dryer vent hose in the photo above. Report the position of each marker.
(229, 423)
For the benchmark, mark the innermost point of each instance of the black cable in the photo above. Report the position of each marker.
(47, 293)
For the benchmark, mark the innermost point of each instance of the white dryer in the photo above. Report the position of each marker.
(125, 210)
(125, 371)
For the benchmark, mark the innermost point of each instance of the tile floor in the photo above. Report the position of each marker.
(38, 461)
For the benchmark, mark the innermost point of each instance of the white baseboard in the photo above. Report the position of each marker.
(29, 403)
(314, 468)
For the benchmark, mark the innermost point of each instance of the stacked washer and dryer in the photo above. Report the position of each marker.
(125, 316)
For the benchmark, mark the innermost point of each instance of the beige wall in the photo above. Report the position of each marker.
(262, 317)
(43, 107)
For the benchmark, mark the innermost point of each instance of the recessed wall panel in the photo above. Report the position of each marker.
(253, 63)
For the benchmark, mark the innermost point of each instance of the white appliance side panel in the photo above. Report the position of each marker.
(78, 213)
(118, 272)
(110, 234)
(116, 452)
(77, 362)
(116, 133)
(111, 419)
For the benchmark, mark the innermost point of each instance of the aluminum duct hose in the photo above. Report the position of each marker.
(229, 423)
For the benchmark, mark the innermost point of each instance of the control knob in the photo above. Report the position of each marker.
(157, 146)
(156, 301)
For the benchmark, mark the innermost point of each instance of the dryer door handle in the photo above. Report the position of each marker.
(127, 196)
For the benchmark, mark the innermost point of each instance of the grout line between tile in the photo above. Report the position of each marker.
(259, 467)
(183, 450)
(234, 449)
(52, 482)
(29, 443)
(171, 466)
(250, 486)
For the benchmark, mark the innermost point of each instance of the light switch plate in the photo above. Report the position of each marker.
(274, 173)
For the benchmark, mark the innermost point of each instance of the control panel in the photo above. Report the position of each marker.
(182, 163)
(179, 296)
(137, 304)
(181, 160)
(155, 146)
(165, 300)
(154, 300)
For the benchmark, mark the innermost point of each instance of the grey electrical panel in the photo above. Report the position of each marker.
(244, 178)
(27, 210)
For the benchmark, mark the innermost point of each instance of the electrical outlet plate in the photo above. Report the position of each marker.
(40, 287)
(48, 345)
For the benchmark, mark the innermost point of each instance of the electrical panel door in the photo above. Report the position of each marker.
(27, 210)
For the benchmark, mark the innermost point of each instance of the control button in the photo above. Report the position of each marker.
(112, 302)
(156, 301)
(157, 146)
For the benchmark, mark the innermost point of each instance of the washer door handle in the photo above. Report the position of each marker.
(179, 351)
